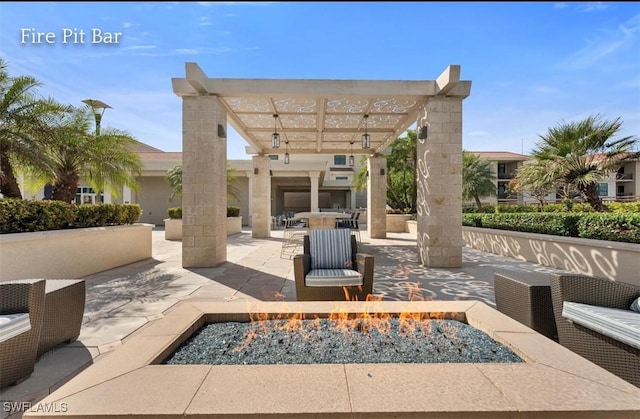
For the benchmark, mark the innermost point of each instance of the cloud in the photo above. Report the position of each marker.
(604, 45)
(477, 134)
(562, 5)
(594, 6)
(205, 21)
(546, 89)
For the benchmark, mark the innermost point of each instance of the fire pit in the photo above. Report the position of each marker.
(132, 382)
(356, 340)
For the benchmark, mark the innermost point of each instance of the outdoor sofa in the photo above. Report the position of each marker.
(599, 319)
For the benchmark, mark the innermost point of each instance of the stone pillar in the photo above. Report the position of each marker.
(352, 198)
(314, 177)
(439, 173)
(377, 197)
(261, 197)
(204, 182)
(250, 201)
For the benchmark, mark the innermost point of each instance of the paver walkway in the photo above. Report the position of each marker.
(121, 301)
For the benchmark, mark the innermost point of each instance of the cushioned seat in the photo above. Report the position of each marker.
(12, 325)
(618, 324)
(20, 300)
(331, 267)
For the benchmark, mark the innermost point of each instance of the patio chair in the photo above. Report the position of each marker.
(331, 268)
(21, 318)
(351, 224)
(608, 337)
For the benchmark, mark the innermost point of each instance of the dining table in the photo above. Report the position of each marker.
(321, 220)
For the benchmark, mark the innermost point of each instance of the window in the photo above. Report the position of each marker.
(340, 160)
(603, 189)
(342, 177)
(273, 156)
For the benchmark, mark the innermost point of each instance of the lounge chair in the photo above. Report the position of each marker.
(331, 267)
(21, 318)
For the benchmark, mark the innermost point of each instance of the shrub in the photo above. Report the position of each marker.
(532, 222)
(175, 213)
(624, 207)
(624, 227)
(23, 216)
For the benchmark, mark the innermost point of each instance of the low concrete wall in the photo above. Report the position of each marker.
(397, 223)
(601, 258)
(173, 227)
(72, 253)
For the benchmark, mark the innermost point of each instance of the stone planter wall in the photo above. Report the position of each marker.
(397, 223)
(600, 258)
(72, 253)
(412, 227)
(173, 227)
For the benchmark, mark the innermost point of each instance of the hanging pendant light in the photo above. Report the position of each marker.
(352, 160)
(287, 159)
(366, 138)
(275, 137)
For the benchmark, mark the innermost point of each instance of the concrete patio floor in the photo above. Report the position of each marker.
(119, 302)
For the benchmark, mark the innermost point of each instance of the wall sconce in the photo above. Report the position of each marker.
(352, 160)
(275, 137)
(287, 159)
(423, 132)
(366, 138)
(222, 133)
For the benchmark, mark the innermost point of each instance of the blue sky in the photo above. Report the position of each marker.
(532, 65)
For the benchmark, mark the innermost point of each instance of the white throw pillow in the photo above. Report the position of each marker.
(635, 306)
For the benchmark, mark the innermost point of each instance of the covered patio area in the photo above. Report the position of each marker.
(294, 117)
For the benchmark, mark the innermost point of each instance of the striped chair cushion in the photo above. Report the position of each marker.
(330, 249)
(12, 325)
(618, 324)
(332, 278)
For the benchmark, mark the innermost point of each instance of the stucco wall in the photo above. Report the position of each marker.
(72, 253)
(613, 260)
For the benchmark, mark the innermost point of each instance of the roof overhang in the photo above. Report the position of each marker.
(320, 116)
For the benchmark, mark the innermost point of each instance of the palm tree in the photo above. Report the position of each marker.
(174, 177)
(530, 178)
(478, 178)
(73, 151)
(580, 154)
(24, 119)
(401, 179)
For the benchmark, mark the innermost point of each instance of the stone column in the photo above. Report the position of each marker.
(261, 198)
(314, 177)
(250, 201)
(204, 182)
(377, 197)
(352, 198)
(439, 175)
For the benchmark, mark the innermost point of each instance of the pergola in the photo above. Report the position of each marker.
(322, 117)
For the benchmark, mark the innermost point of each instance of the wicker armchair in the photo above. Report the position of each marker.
(18, 353)
(331, 268)
(614, 356)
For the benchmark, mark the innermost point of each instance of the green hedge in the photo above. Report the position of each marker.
(617, 207)
(623, 227)
(23, 216)
(176, 212)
